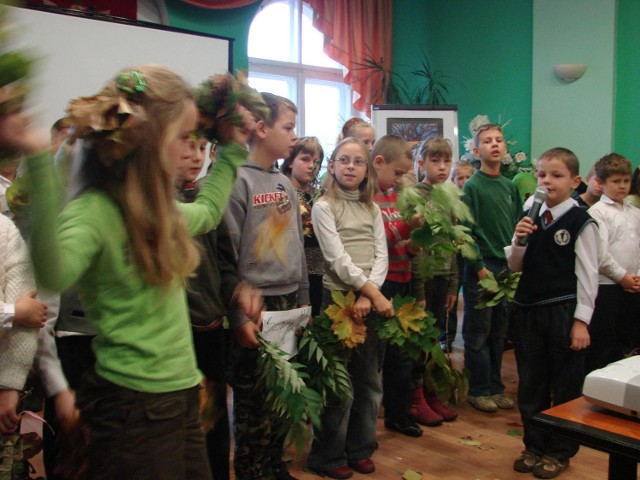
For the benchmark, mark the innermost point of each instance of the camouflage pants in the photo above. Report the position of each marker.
(259, 441)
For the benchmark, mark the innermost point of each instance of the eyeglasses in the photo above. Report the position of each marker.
(345, 160)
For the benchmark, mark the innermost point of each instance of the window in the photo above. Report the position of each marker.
(286, 58)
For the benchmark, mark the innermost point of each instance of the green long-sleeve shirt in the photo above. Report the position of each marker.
(496, 207)
(144, 334)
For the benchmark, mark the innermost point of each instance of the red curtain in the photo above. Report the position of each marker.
(117, 8)
(356, 31)
(220, 3)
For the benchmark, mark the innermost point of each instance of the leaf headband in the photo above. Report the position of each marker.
(113, 119)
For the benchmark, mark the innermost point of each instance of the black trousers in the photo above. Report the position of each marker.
(550, 373)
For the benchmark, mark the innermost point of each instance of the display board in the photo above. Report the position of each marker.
(79, 53)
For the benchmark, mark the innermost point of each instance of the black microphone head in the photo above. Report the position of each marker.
(540, 195)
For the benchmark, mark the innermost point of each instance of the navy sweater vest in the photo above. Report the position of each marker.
(548, 269)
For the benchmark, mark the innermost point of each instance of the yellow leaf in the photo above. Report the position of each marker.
(341, 314)
(407, 314)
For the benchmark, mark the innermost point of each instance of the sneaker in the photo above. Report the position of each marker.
(502, 401)
(526, 462)
(363, 466)
(483, 403)
(420, 412)
(447, 414)
(339, 473)
(550, 467)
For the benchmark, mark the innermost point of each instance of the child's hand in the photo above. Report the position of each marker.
(451, 301)
(631, 283)
(383, 306)
(230, 133)
(66, 410)
(8, 405)
(482, 274)
(249, 300)
(416, 221)
(525, 227)
(30, 312)
(16, 134)
(579, 335)
(361, 308)
(246, 335)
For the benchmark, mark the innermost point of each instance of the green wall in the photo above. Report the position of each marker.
(627, 81)
(233, 23)
(577, 115)
(484, 47)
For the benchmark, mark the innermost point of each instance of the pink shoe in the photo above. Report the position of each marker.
(447, 414)
(420, 412)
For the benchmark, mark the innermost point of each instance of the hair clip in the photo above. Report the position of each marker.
(131, 82)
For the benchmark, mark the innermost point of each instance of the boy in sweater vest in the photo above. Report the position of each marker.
(554, 303)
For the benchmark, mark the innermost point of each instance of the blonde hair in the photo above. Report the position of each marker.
(461, 164)
(391, 147)
(368, 187)
(351, 127)
(484, 128)
(142, 183)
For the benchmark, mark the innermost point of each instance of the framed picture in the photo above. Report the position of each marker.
(416, 123)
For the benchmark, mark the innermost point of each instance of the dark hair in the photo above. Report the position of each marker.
(612, 164)
(276, 105)
(566, 156)
(635, 181)
(310, 145)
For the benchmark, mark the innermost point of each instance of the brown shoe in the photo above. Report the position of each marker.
(550, 467)
(526, 462)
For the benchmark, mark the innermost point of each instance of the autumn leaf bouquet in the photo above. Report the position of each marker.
(220, 100)
(494, 290)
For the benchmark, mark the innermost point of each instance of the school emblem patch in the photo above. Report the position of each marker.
(562, 237)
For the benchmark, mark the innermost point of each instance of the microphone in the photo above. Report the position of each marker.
(539, 197)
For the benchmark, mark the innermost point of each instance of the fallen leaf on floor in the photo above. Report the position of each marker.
(515, 432)
(470, 442)
(514, 424)
(484, 446)
(411, 475)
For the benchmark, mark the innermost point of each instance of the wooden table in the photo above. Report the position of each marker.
(600, 429)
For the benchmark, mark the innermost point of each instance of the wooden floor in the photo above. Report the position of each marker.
(476, 446)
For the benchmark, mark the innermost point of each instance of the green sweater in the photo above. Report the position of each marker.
(496, 208)
(144, 334)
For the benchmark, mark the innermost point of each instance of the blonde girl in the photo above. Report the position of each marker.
(126, 243)
(349, 228)
(360, 129)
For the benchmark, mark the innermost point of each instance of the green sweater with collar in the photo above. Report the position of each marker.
(144, 334)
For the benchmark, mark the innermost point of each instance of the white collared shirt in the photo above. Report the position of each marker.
(619, 227)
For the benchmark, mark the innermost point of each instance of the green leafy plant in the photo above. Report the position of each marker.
(449, 383)
(288, 397)
(493, 290)
(411, 328)
(324, 357)
(395, 89)
(439, 236)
